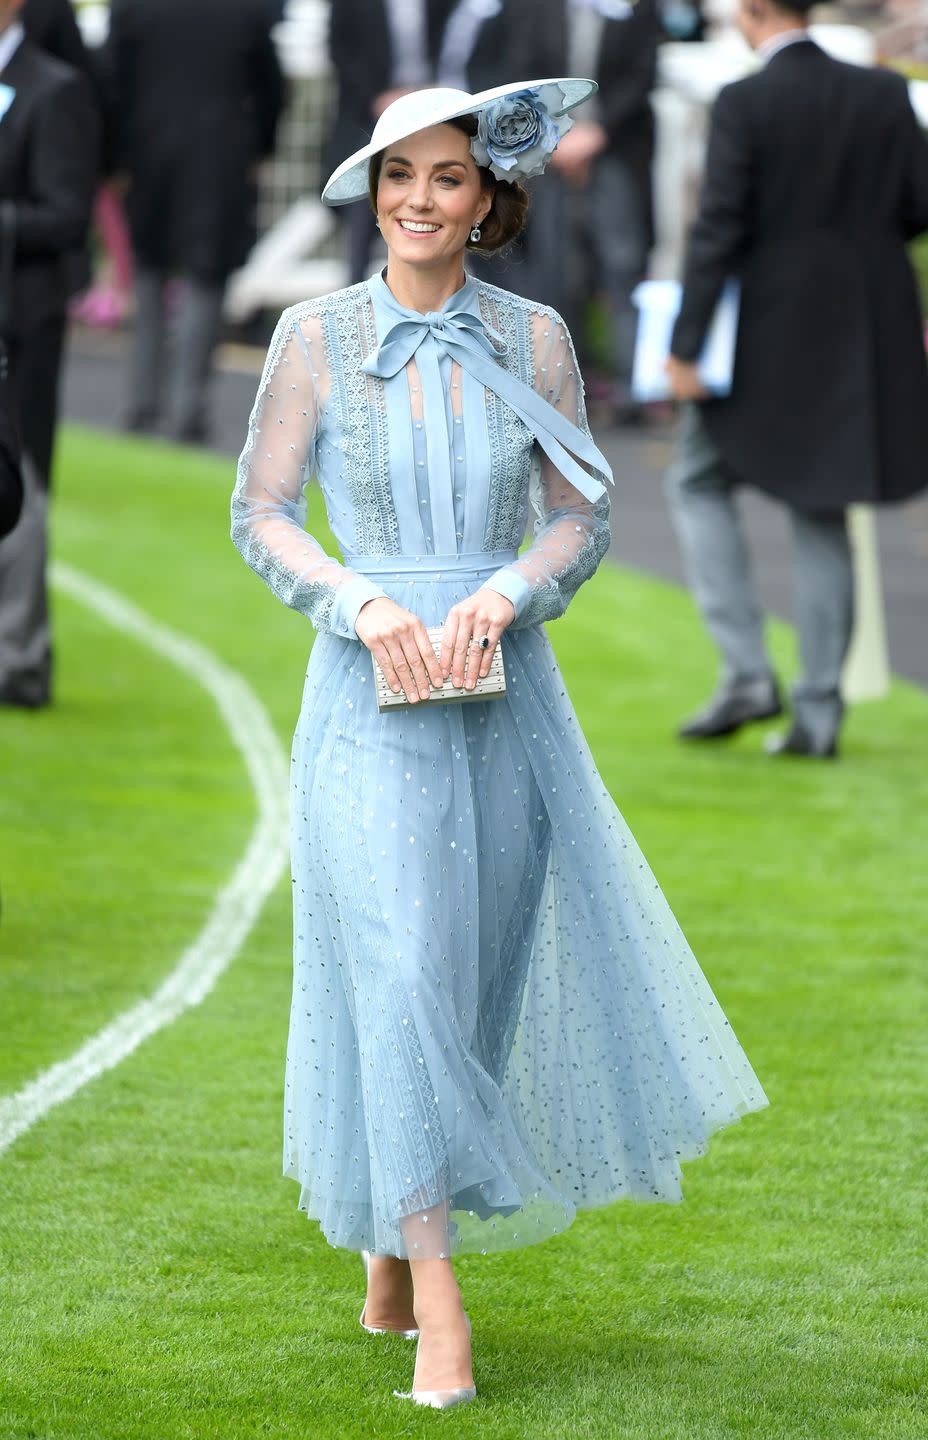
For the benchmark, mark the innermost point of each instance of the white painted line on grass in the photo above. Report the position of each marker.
(238, 904)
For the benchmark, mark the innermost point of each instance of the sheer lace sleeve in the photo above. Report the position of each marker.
(571, 532)
(269, 503)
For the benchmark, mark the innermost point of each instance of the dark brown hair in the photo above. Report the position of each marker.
(505, 219)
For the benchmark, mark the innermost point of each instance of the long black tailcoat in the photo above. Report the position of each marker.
(523, 40)
(49, 165)
(816, 177)
(529, 39)
(627, 73)
(197, 92)
(52, 25)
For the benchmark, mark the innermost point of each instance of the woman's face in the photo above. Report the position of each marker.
(429, 196)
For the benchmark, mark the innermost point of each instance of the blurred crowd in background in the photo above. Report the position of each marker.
(221, 116)
(161, 162)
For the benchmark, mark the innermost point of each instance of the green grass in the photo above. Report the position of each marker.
(919, 255)
(156, 1279)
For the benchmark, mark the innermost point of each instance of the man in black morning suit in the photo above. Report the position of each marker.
(379, 49)
(605, 161)
(49, 152)
(197, 93)
(816, 178)
(52, 25)
(590, 224)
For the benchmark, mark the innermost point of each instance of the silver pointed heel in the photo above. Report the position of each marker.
(381, 1329)
(438, 1399)
(386, 1329)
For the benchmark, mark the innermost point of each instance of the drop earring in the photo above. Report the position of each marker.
(475, 234)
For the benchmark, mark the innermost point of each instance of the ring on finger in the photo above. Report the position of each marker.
(483, 642)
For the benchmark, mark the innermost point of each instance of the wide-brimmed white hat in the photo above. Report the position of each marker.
(506, 142)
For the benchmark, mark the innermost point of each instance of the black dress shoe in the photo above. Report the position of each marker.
(799, 742)
(733, 707)
(24, 699)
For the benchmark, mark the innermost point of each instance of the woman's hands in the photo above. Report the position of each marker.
(483, 613)
(400, 644)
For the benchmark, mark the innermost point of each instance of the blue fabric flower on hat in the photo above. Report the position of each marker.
(517, 134)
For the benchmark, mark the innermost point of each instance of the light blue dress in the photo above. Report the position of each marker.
(496, 1020)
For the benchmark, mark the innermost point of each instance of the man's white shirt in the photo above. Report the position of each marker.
(768, 48)
(10, 41)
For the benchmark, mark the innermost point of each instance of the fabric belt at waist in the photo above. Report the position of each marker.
(431, 567)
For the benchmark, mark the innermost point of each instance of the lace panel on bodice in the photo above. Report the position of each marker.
(359, 411)
(316, 406)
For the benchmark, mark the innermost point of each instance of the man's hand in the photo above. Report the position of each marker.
(685, 381)
(577, 150)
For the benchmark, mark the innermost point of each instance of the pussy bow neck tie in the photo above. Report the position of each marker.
(467, 339)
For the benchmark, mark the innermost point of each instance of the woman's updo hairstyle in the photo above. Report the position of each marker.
(505, 219)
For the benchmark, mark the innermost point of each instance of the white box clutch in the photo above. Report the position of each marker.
(490, 687)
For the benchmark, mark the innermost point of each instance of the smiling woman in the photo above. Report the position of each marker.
(496, 1020)
(427, 208)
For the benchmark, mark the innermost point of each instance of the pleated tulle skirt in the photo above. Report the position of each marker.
(494, 1011)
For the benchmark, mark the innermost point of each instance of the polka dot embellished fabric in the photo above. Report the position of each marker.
(496, 1020)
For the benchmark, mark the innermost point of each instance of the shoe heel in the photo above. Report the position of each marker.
(439, 1399)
